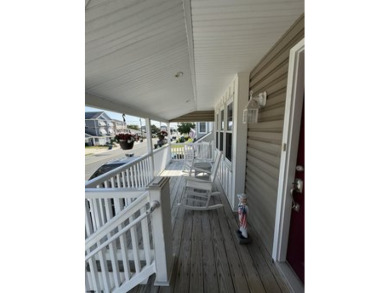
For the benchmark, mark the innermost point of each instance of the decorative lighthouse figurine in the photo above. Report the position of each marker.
(242, 232)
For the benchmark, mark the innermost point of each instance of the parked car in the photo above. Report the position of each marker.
(111, 165)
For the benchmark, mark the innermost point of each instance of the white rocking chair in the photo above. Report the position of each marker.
(198, 156)
(189, 156)
(198, 189)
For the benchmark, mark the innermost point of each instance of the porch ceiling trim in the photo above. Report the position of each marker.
(197, 116)
(102, 103)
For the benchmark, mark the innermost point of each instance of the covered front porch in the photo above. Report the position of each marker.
(199, 62)
(207, 255)
(197, 251)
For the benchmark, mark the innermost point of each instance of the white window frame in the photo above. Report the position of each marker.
(231, 131)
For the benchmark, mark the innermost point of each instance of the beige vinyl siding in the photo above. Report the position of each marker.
(265, 137)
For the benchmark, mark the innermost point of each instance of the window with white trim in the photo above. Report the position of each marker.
(221, 129)
(229, 132)
(202, 127)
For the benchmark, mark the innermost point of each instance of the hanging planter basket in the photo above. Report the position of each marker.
(126, 144)
(126, 140)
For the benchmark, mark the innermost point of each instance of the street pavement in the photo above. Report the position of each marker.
(99, 156)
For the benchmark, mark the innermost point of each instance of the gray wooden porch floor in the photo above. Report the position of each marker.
(207, 255)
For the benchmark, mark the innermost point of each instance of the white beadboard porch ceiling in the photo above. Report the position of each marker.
(134, 49)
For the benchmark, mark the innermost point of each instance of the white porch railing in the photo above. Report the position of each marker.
(161, 159)
(177, 150)
(135, 174)
(128, 236)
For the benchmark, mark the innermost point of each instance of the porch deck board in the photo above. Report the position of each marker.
(207, 255)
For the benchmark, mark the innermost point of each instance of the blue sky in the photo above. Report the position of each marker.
(130, 120)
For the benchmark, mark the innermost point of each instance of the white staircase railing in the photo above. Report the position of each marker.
(128, 237)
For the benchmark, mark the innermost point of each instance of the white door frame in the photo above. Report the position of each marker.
(291, 126)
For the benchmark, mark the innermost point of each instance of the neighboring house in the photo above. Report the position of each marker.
(203, 128)
(119, 126)
(99, 127)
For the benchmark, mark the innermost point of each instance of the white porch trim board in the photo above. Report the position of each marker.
(240, 133)
(232, 174)
(105, 104)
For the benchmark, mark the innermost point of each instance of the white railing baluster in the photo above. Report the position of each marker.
(132, 177)
(135, 176)
(134, 242)
(128, 178)
(88, 219)
(88, 286)
(146, 174)
(112, 248)
(151, 168)
(122, 177)
(96, 214)
(147, 170)
(145, 238)
(138, 175)
(123, 244)
(118, 181)
(101, 212)
(142, 173)
(94, 274)
(104, 270)
(101, 254)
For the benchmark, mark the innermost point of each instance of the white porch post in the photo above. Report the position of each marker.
(150, 141)
(240, 137)
(162, 230)
(169, 140)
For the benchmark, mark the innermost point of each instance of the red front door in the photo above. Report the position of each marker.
(296, 241)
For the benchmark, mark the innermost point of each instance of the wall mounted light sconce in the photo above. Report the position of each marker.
(251, 111)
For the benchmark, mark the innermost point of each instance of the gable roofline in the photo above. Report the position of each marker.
(96, 115)
(93, 115)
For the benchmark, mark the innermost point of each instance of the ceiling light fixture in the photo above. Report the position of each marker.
(179, 74)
